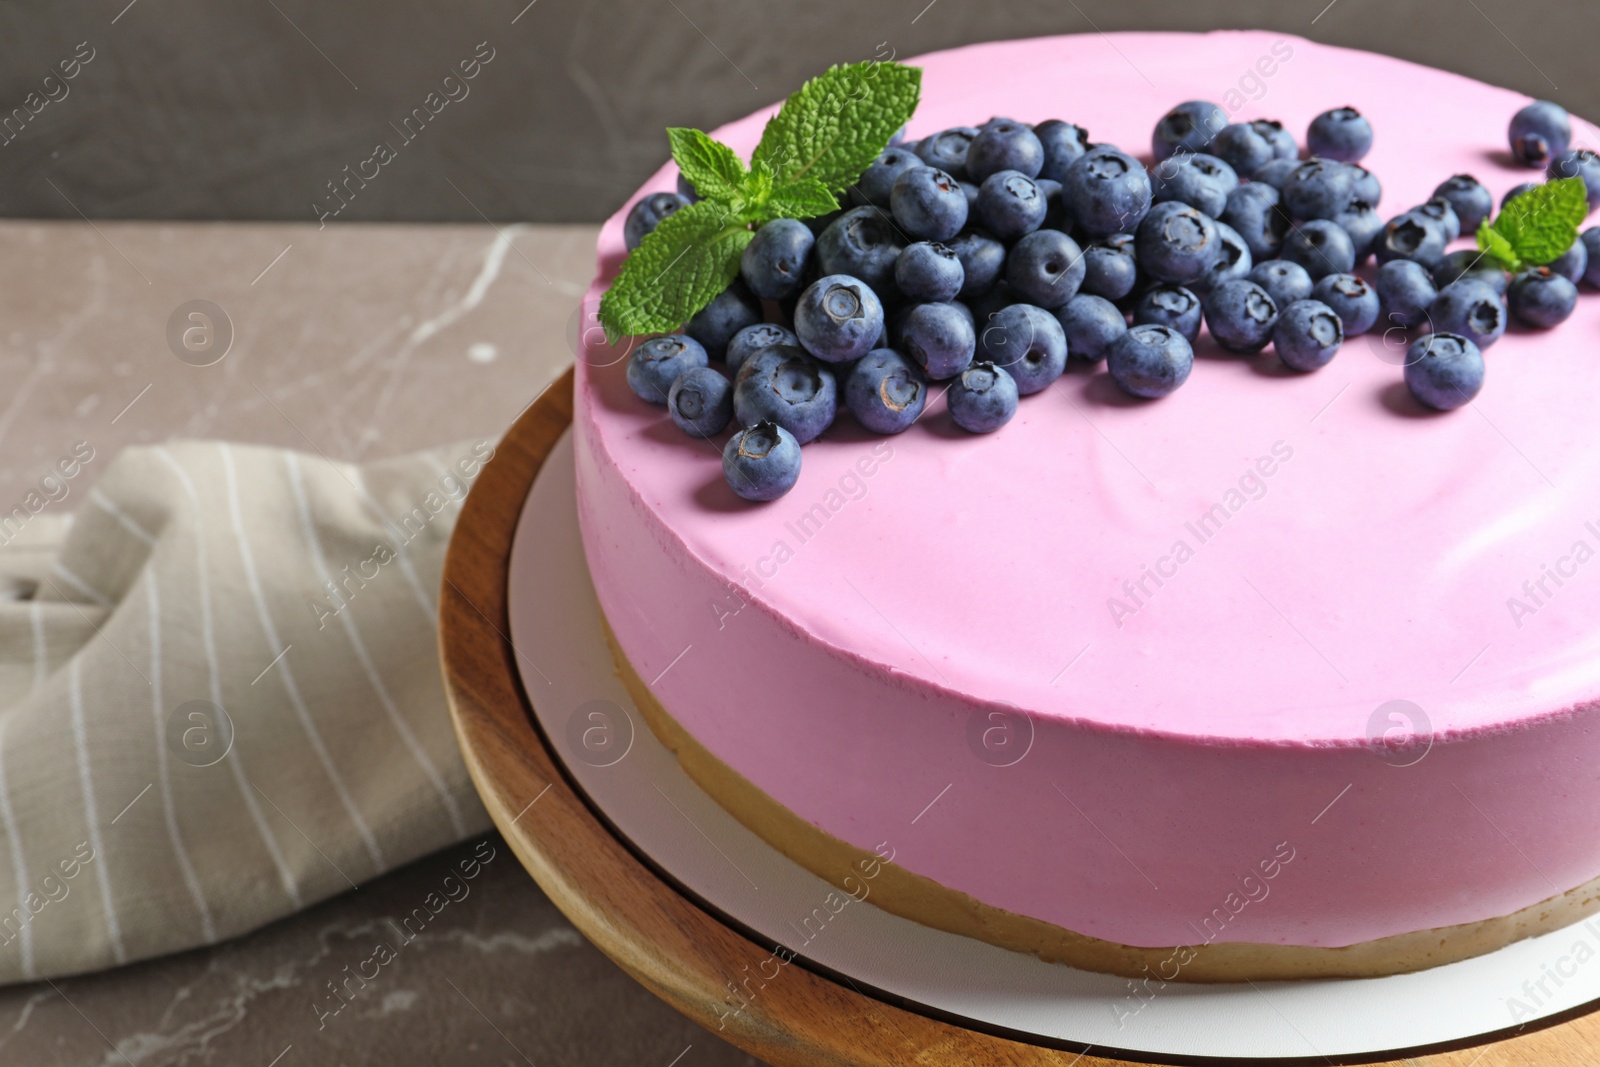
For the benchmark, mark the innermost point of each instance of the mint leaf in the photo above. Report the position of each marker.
(804, 199)
(817, 145)
(712, 167)
(686, 261)
(1494, 244)
(1541, 224)
(834, 126)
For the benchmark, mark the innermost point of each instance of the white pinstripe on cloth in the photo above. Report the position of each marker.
(292, 592)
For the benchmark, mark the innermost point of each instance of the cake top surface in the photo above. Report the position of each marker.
(1263, 556)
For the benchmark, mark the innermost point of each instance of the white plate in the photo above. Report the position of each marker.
(637, 785)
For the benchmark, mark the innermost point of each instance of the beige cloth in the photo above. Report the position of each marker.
(299, 596)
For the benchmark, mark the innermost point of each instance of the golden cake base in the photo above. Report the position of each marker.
(923, 900)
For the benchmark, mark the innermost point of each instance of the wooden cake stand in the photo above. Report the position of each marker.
(666, 941)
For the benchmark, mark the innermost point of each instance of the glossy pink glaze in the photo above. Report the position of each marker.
(1176, 747)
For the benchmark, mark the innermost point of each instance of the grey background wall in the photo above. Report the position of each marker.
(247, 109)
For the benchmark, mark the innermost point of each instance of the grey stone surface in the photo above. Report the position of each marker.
(356, 342)
(497, 976)
(196, 110)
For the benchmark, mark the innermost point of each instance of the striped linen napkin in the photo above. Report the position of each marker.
(220, 698)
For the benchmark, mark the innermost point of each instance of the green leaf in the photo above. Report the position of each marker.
(1493, 244)
(677, 269)
(1541, 224)
(712, 167)
(834, 126)
(804, 199)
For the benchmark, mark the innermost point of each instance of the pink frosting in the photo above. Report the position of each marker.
(835, 646)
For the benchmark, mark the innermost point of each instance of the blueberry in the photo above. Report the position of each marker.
(1109, 192)
(729, 312)
(1063, 143)
(1366, 185)
(947, 150)
(1274, 172)
(775, 261)
(686, 189)
(1412, 235)
(752, 339)
(1169, 305)
(1110, 269)
(785, 385)
(1233, 259)
(1308, 335)
(861, 243)
(1321, 247)
(1472, 202)
(929, 204)
(1150, 361)
(877, 181)
(1010, 204)
(1517, 190)
(1579, 163)
(1539, 133)
(700, 402)
(1253, 211)
(656, 364)
(1189, 127)
(1405, 293)
(1591, 245)
(1444, 370)
(1282, 141)
(1318, 189)
(970, 191)
(1351, 298)
(928, 270)
(1342, 134)
(1572, 264)
(1176, 243)
(1363, 223)
(983, 398)
(899, 138)
(1244, 148)
(1470, 308)
(1196, 179)
(940, 338)
(1285, 282)
(1542, 298)
(647, 214)
(1091, 324)
(1004, 145)
(1046, 267)
(885, 391)
(1470, 263)
(761, 462)
(1240, 316)
(1440, 210)
(1028, 343)
(838, 318)
(983, 259)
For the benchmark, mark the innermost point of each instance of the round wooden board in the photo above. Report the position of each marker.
(674, 947)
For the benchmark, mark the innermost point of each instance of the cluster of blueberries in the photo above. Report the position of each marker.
(983, 257)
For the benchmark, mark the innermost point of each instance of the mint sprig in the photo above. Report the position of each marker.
(811, 151)
(1537, 227)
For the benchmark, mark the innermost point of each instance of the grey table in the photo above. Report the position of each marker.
(357, 342)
